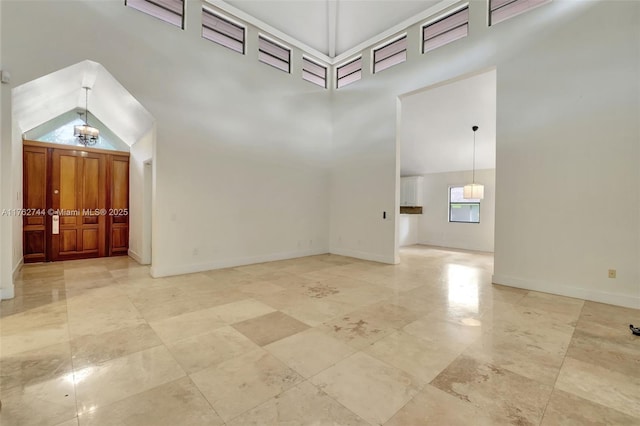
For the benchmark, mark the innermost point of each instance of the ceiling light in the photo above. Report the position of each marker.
(474, 190)
(85, 134)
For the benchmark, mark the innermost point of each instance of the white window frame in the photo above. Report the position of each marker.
(474, 202)
(387, 44)
(529, 5)
(344, 64)
(139, 6)
(438, 19)
(278, 44)
(229, 20)
(316, 62)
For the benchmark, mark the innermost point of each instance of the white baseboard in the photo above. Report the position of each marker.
(486, 249)
(364, 255)
(628, 301)
(7, 291)
(135, 256)
(17, 267)
(158, 271)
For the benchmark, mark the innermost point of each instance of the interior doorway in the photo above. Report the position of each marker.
(439, 154)
(76, 202)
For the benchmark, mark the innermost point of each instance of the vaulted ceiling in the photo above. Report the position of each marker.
(60, 92)
(435, 126)
(332, 27)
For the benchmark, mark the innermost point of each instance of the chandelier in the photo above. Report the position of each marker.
(85, 134)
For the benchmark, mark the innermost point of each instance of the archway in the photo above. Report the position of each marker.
(54, 95)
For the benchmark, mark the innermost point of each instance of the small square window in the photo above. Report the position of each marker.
(222, 31)
(445, 30)
(171, 11)
(272, 53)
(314, 72)
(463, 210)
(500, 10)
(349, 72)
(390, 54)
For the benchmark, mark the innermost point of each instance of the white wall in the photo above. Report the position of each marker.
(6, 282)
(16, 196)
(434, 228)
(242, 152)
(139, 242)
(567, 146)
(408, 229)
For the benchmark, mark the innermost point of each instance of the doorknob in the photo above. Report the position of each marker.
(55, 191)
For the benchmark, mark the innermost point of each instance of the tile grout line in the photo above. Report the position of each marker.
(561, 365)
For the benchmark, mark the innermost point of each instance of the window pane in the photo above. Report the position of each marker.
(348, 79)
(457, 196)
(313, 68)
(396, 59)
(446, 30)
(350, 68)
(464, 213)
(505, 9)
(390, 49)
(349, 72)
(274, 54)
(170, 11)
(273, 49)
(390, 55)
(222, 31)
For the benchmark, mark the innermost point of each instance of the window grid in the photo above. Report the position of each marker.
(392, 53)
(314, 72)
(349, 73)
(445, 30)
(223, 31)
(171, 11)
(272, 53)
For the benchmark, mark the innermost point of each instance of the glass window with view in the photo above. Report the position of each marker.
(464, 210)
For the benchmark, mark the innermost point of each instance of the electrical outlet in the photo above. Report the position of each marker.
(612, 273)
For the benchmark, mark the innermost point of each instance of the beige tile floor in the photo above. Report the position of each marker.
(322, 340)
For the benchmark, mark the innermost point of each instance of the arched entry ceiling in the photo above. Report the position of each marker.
(332, 27)
(48, 97)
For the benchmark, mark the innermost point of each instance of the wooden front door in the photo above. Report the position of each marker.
(85, 194)
(118, 215)
(79, 200)
(35, 220)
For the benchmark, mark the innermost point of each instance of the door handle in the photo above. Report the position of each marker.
(56, 192)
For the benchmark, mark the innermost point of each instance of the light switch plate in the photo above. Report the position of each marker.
(5, 76)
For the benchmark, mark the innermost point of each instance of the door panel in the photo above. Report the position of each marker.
(67, 187)
(35, 202)
(90, 239)
(119, 212)
(78, 180)
(68, 241)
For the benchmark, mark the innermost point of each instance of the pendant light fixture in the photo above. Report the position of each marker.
(474, 190)
(85, 134)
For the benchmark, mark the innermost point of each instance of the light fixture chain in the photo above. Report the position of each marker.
(474, 158)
